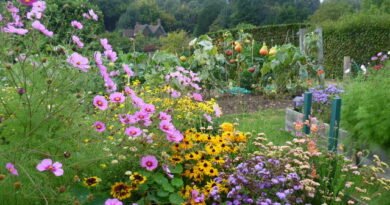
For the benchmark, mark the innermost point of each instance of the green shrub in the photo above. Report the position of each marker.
(364, 108)
(358, 36)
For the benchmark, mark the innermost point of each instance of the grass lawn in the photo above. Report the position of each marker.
(270, 122)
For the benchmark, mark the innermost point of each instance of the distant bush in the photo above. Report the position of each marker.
(358, 36)
(364, 108)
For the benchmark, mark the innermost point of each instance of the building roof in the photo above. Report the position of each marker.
(146, 29)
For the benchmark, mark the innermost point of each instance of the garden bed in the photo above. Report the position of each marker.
(234, 104)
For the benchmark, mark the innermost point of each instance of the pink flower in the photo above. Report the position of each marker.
(133, 131)
(77, 25)
(47, 165)
(87, 16)
(100, 102)
(76, 40)
(174, 136)
(99, 126)
(148, 108)
(79, 62)
(141, 116)
(12, 29)
(127, 119)
(93, 15)
(217, 110)
(111, 55)
(105, 44)
(40, 27)
(166, 126)
(174, 93)
(163, 116)
(27, 2)
(1, 18)
(113, 202)
(197, 97)
(137, 101)
(208, 118)
(98, 58)
(114, 73)
(149, 162)
(39, 6)
(129, 91)
(117, 98)
(128, 70)
(11, 168)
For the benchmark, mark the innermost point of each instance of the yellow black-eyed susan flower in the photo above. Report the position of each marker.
(176, 159)
(91, 181)
(121, 191)
(137, 178)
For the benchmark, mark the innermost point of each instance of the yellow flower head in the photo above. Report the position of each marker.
(227, 127)
(91, 181)
(121, 191)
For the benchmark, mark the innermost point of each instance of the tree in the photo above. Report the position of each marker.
(207, 16)
(144, 11)
(112, 10)
(332, 10)
(175, 42)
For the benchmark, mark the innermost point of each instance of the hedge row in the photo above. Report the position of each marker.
(272, 35)
(359, 36)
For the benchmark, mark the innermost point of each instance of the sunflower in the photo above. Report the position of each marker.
(186, 144)
(204, 165)
(121, 191)
(190, 173)
(91, 181)
(176, 147)
(224, 147)
(228, 136)
(193, 156)
(176, 159)
(137, 178)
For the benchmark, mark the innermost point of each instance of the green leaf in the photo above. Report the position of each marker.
(162, 193)
(177, 182)
(175, 198)
(168, 187)
(159, 178)
(178, 169)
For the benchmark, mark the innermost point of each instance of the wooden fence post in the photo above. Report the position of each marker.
(347, 67)
(334, 125)
(301, 34)
(307, 110)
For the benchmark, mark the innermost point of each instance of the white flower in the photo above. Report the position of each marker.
(364, 69)
(192, 43)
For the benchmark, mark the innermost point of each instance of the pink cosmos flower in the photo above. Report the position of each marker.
(111, 55)
(93, 15)
(128, 70)
(87, 16)
(37, 25)
(117, 97)
(167, 171)
(163, 116)
(174, 93)
(148, 108)
(137, 101)
(208, 118)
(113, 202)
(127, 119)
(133, 131)
(141, 116)
(1, 18)
(39, 6)
(174, 136)
(217, 110)
(129, 91)
(76, 40)
(12, 29)
(105, 44)
(99, 126)
(100, 102)
(77, 25)
(11, 168)
(109, 84)
(197, 97)
(114, 73)
(27, 2)
(166, 126)
(47, 165)
(149, 162)
(78, 61)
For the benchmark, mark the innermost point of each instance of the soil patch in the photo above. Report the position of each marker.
(235, 104)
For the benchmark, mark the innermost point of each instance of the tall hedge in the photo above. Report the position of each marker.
(272, 35)
(359, 36)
